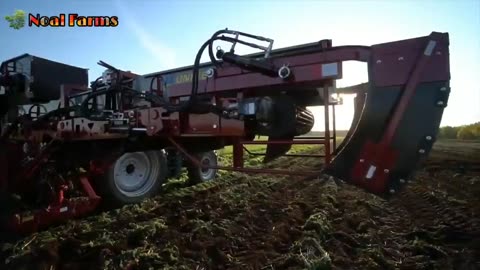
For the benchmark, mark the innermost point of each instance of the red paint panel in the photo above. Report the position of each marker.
(229, 70)
(230, 77)
(87, 188)
(232, 127)
(302, 74)
(39, 219)
(414, 43)
(393, 62)
(380, 156)
(414, 78)
(203, 123)
(339, 54)
(345, 53)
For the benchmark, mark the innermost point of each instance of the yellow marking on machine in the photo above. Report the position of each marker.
(187, 77)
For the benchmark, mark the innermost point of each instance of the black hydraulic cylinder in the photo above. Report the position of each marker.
(262, 66)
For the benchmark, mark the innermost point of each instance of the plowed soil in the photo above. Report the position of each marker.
(273, 222)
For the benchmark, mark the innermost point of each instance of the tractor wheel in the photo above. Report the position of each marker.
(135, 176)
(198, 175)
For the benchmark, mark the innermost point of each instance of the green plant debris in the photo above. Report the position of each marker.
(258, 221)
(318, 222)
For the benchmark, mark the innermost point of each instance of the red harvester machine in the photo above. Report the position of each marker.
(123, 136)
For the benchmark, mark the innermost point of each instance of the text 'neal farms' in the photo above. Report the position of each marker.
(72, 20)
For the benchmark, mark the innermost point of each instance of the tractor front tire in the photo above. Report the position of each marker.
(198, 175)
(135, 176)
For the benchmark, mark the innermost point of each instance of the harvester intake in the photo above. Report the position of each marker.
(145, 128)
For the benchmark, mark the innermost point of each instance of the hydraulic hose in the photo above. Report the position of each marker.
(184, 107)
(195, 79)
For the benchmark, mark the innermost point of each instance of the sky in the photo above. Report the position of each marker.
(155, 35)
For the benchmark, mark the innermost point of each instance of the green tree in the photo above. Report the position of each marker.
(466, 133)
(448, 132)
(476, 130)
(17, 20)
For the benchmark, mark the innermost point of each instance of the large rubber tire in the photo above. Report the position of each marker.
(198, 175)
(134, 177)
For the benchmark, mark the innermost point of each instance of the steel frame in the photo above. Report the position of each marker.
(239, 146)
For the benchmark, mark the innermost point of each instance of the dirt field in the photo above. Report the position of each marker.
(265, 222)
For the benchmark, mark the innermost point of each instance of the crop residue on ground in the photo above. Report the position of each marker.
(277, 222)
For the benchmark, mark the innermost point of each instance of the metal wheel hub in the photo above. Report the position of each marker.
(207, 174)
(136, 173)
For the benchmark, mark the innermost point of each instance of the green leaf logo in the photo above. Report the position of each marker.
(17, 20)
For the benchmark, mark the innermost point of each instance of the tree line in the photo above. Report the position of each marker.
(465, 132)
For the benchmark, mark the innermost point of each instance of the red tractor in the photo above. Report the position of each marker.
(65, 146)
